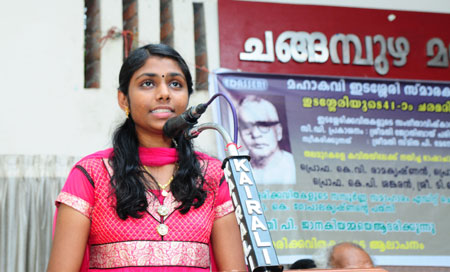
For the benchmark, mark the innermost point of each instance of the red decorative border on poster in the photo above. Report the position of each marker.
(325, 40)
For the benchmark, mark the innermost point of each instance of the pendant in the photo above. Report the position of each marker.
(162, 229)
(164, 193)
(163, 210)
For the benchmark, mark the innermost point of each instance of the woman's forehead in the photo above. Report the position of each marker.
(159, 66)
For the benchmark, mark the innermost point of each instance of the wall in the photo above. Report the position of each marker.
(45, 108)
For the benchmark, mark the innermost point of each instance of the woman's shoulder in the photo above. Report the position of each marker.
(95, 159)
(98, 155)
(211, 166)
(208, 160)
(94, 166)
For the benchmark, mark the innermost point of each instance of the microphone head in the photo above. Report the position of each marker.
(175, 126)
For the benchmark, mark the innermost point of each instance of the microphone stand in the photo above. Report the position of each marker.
(259, 252)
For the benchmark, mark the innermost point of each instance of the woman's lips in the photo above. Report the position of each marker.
(162, 112)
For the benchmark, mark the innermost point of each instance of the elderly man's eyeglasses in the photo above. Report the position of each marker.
(262, 126)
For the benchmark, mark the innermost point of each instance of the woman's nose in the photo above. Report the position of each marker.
(163, 92)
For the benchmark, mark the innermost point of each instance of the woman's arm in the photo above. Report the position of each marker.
(227, 245)
(69, 242)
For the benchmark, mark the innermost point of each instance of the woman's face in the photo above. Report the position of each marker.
(157, 91)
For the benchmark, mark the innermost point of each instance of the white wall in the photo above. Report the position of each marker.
(46, 110)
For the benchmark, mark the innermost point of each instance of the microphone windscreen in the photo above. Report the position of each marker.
(174, 126)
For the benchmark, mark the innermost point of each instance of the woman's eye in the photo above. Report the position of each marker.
(147, 83)
(175, 84)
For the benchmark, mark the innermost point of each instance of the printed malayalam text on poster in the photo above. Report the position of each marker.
(371, 160)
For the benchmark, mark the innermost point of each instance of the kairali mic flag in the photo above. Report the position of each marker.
(347, 159)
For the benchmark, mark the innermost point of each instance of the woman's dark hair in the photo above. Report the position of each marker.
(128, 180)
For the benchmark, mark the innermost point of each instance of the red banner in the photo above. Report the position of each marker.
(336, 41)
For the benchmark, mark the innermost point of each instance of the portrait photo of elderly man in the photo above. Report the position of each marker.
(261, 133)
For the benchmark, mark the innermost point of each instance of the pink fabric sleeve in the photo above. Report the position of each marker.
(77, 193)
(224, 205)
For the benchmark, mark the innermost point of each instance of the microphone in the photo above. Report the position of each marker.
(177, 125)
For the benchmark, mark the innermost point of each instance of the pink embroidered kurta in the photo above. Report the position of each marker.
(136, 244)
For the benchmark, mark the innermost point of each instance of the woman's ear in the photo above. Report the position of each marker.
(122, 99)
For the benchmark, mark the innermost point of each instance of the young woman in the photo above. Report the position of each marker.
(150, 203)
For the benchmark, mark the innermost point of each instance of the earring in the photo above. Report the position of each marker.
(174, 143)
(127, 111)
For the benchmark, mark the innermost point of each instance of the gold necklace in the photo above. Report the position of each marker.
(163, 187)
